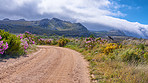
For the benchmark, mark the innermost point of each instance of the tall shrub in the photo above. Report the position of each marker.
(13, 42)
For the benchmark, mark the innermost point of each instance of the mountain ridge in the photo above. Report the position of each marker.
(47, 26)
(62, 27)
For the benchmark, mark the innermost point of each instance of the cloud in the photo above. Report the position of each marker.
(98, 13)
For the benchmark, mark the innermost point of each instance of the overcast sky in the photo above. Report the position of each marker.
(94, 14)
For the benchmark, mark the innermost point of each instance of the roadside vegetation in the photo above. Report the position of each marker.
(124, 61)
(121, 62)
(12, 46)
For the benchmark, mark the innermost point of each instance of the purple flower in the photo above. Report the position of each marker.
(0, 37)
(27, 32)
(33, 42)
(21, 37)
(1, 42)
(88, 41)
(2, 52)
(6, 44)
(25, 48)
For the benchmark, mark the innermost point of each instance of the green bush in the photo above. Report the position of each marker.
(141, 46)
(54, 42)
(13, 42)
(62, 42)
(132, 54)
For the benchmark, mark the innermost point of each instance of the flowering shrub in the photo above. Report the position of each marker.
(40, 41)
(3, 46)
(62, 42)
(30, 37)
(27, 40)
(135, 54)
(90, 42)
(48, 41)
(101, 41)
(10, 43)
(25, 44)
(110, 47)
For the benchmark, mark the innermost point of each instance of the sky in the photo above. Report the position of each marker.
(136, 10)
(130, 15)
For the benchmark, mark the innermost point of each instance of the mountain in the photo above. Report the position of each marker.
(109, 33)
(44, 26)
(60, 27)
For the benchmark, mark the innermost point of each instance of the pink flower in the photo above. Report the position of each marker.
(88, 41)
(27, 32)
(0, 37)
(21, 37)
(33, 42)
(1, 42)
(2, 52)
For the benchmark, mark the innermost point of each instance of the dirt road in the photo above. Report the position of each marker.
(48, 65)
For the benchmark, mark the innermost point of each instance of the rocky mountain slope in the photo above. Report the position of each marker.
(45, 26)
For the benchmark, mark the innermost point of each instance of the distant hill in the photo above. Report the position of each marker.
(109, 33)
(44, 26)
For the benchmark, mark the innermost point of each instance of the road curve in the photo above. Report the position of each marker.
(48, 65)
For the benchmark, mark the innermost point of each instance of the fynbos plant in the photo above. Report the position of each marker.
(3, 46)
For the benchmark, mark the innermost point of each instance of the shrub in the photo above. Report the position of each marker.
(27, 40)
(110, 47)
(133, 54)
(62, 42)
(146, 56)
(40, 41)
(130, 55)
(13, 42)
(3, 46)
(30, 37)
(54, 42)
(48, 42)
(98, 39)
(141, 46)
(90, 42)
(101, 40)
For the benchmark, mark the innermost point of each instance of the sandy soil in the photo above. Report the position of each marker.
(48, 65)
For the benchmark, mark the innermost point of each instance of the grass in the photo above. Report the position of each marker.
(111, 67)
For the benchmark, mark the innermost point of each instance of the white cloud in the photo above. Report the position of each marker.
(92, 11)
